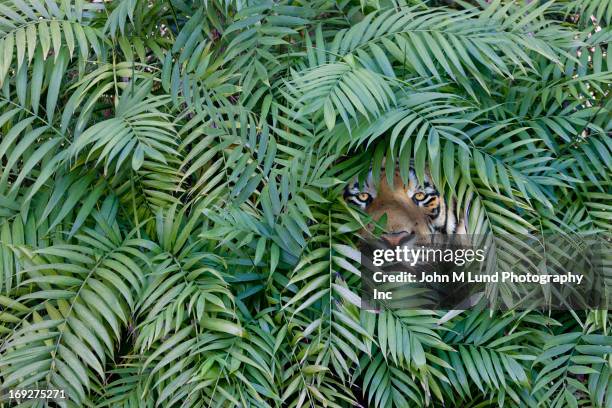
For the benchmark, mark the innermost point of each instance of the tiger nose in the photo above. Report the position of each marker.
(394, 239)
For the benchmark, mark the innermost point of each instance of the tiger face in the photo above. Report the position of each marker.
(414, 211)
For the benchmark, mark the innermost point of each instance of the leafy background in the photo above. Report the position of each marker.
(171, 227)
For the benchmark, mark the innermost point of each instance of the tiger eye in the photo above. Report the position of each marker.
(419, 196)
(363, 196)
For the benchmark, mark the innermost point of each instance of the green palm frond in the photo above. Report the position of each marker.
(80, 298)
(33, 32)
(139, 130)
(172, 228)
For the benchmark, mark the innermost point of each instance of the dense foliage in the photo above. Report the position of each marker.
(172, 231)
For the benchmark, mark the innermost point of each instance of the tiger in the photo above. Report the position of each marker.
(417, 214)
(415, 211)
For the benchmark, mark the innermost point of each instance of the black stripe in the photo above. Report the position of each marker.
(428, 199)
